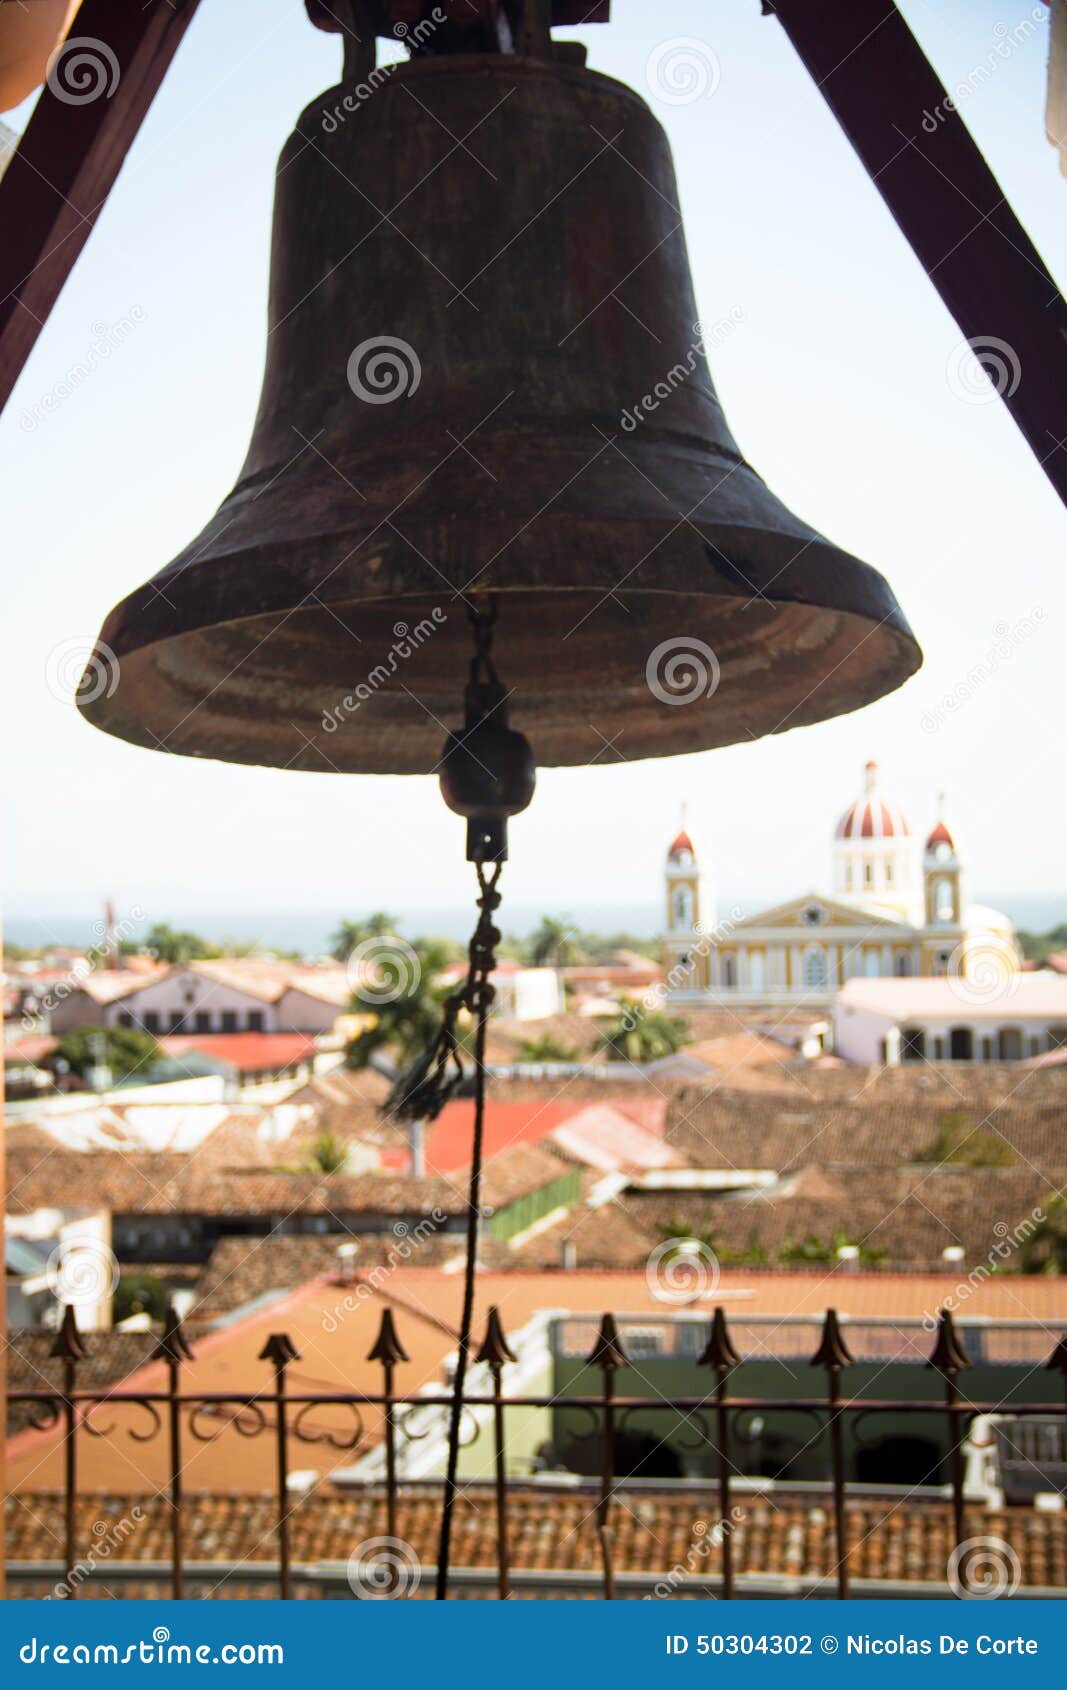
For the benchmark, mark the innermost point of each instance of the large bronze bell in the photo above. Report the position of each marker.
(485, 376)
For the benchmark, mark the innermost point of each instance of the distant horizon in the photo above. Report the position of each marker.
(309, 930)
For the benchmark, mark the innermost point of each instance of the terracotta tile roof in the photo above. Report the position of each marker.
(517, 1171)
(723, 1127)
(241, 1269)
(553, 1529)
(176, 1183)
(112, 1356)
(909, 1214)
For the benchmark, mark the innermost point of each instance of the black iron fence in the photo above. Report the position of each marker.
(286, 1419)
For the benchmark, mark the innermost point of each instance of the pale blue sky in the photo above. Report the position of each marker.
(836, 384)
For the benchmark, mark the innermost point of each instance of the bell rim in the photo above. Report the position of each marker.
(880, 657)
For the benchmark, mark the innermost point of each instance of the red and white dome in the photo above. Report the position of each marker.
(681, 846)
(872, 816)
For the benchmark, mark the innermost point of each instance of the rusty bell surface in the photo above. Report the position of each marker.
(485, 375)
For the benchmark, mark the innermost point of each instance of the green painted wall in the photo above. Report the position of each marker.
(524, 1430)
(788, 1445)
(527, 1211)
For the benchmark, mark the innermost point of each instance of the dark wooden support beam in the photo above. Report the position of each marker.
(920, 156)
(73, 149)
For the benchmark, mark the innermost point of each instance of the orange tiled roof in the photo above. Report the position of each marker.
(555, 1530)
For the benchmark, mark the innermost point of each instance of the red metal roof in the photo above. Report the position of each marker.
(249, 1053)
(448, 1142)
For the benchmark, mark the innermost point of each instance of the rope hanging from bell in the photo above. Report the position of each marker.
(487, 775)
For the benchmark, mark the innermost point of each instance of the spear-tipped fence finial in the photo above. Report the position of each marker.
(173, 1344)
(279, 1349)
(607, 1351)
(833, 1353)
(495, 1348)
(719, 1351)
(387, 1346)
(948, 1356)
(68, 1344)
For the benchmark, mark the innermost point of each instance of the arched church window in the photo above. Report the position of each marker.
(729, 972)
(943, 901)
(902, 966)
(815, 969)
(868, 873)
(756, 975)
(848, 877)
(872, 965)
(683, 907)
(889, 874)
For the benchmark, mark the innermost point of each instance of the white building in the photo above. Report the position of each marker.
(892, 913)
(951, 1020)
(231, 995)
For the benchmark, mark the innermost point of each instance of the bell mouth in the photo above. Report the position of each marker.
(370, 687)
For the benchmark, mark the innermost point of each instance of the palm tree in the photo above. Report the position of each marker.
(553, 944)
(328, 1153)
(640, 1035)
(349, 934)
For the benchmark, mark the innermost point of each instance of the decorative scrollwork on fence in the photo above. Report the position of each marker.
(43, 1414)
(309, 1434)
(431, 1419)
(247, 1419)
(142, 1435)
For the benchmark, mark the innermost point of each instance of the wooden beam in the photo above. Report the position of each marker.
(70, 155)
(920, 156)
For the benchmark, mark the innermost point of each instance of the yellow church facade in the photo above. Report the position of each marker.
(893, 912)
